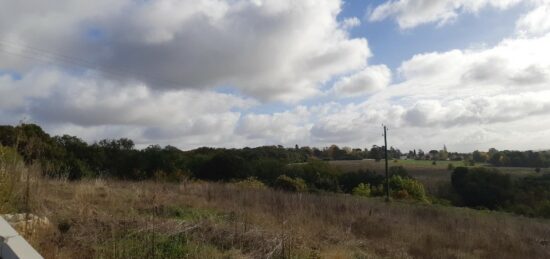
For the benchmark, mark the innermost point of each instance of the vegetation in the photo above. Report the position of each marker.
(162, 202)
(363, 189)
(484, 187)
(529, 158)
(10, 175)
(122, 219)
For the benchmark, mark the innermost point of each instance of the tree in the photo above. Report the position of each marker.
(376, 152)
(482, 187)
(224, 166)
(287, 183)
(477, 157)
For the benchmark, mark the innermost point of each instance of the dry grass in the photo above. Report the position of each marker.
(115, 219)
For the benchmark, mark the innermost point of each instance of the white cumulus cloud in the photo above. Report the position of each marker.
(270, 49)
(370, 79)
(411, 13)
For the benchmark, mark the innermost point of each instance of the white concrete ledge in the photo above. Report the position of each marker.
(14, 246)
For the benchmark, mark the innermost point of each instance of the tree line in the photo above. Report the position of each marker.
(71, 157)
(292, 169)
(535, 159)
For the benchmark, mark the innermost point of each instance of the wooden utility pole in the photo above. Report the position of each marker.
(386, 160)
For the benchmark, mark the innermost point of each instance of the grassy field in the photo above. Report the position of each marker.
(117, 219)
(432, 176)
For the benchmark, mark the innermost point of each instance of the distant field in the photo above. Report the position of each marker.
(432, 176)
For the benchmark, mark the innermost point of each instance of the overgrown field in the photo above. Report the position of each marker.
(118, 219)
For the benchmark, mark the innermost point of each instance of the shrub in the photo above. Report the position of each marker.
(252, 183)
(318, 175)
(399, 171)
(349, 180)
(363, 189)
(407, 188)
(287, 183)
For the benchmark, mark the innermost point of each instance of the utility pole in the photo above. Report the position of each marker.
(386, 160)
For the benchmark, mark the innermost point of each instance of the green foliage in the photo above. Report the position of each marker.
(520, 158)
(287, 183)
(532, 196)
(406, 188)
(191, 214)
(267, 169)
(363, 189)
(318, 174)
(482, 187)
(350, 180)
(148, 244)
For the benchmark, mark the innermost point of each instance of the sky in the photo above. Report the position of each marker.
(468, 74)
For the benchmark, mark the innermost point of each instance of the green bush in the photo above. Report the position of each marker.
(350, 180)
(287, 183)
(404, 188)
(363, 189)
(318, 175)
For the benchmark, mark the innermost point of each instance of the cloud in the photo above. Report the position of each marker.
(512, 65)
(289, 127)
(270, 49)
(535, 22)
(467, 99)
(81, 104)
(350, 22)
(370, 79)
(412, 13)
(477, 110)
